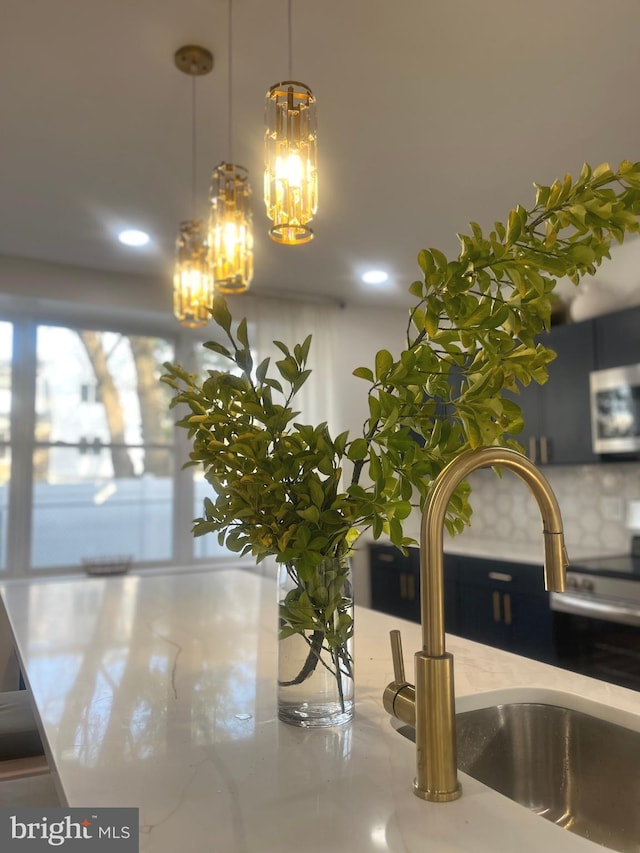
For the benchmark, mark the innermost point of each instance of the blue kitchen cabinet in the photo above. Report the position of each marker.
(504, 604)
(618, 338)
(556, 415)
(395, 584)
(499, 603)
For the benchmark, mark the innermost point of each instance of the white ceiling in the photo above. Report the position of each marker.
(431, 113)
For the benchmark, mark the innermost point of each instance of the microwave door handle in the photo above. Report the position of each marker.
(610, 611)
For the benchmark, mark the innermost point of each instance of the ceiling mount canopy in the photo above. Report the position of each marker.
(193, 60)
(192, 277)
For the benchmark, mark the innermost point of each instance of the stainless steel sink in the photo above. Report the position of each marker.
(573, 768)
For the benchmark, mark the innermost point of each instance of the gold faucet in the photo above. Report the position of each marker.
(430, 705)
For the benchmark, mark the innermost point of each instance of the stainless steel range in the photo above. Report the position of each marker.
(597, 620)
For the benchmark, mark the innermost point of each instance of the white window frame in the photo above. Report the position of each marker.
(25, 320)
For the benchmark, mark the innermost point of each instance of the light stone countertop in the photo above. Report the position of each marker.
(158, 692)
(517, 552)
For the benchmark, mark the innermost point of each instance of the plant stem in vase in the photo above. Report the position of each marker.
(315, 654)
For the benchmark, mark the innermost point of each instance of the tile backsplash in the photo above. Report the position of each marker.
(594, 502)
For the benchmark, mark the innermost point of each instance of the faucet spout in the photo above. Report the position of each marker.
(430, 705)
(431, 534)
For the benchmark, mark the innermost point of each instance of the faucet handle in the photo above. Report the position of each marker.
(399, 697)
(396, 656)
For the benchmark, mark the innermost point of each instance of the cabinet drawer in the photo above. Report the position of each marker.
(499, 574)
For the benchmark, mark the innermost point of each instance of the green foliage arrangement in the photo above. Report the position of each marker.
(279, 485)
(473, 334)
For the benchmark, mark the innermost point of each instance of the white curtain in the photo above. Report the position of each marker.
(290, 322)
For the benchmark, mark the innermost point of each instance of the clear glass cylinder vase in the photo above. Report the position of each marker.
(315, 643)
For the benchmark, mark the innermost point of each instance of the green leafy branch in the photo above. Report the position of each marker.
(276, 482)
(474, 334)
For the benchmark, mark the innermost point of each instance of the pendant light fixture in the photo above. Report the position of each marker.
(291, 157)
(230, 235)
(192, 279)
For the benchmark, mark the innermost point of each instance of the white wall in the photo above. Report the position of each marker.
(361, 333)
(44, 280)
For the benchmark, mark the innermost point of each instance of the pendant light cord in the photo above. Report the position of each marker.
(290, 43)
(229, 83)
(194, 150)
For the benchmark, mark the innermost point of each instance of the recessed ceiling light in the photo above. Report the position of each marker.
(133, 237)
(375, 277)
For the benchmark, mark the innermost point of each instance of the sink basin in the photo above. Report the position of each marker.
(574, 769)
(576, 766)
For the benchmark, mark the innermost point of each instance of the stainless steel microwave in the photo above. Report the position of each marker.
(615, 410)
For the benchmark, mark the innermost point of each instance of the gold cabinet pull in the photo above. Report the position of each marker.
(500, 576)
(496, 606)
(403, 585)
(532, 448)
(507, 608)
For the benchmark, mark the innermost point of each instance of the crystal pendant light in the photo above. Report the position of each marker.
(230, 229)
(291, 158)
(230, 235)
(192, 278)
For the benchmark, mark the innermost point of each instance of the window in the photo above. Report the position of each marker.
(91, 466)
(89, 393)
(88, 438)
(102, 467)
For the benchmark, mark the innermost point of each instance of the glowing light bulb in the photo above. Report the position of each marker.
(289, 170)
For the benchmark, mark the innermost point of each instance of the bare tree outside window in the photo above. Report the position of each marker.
(107, 486)
(151, 398)
(153, 405)
(114, 413)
